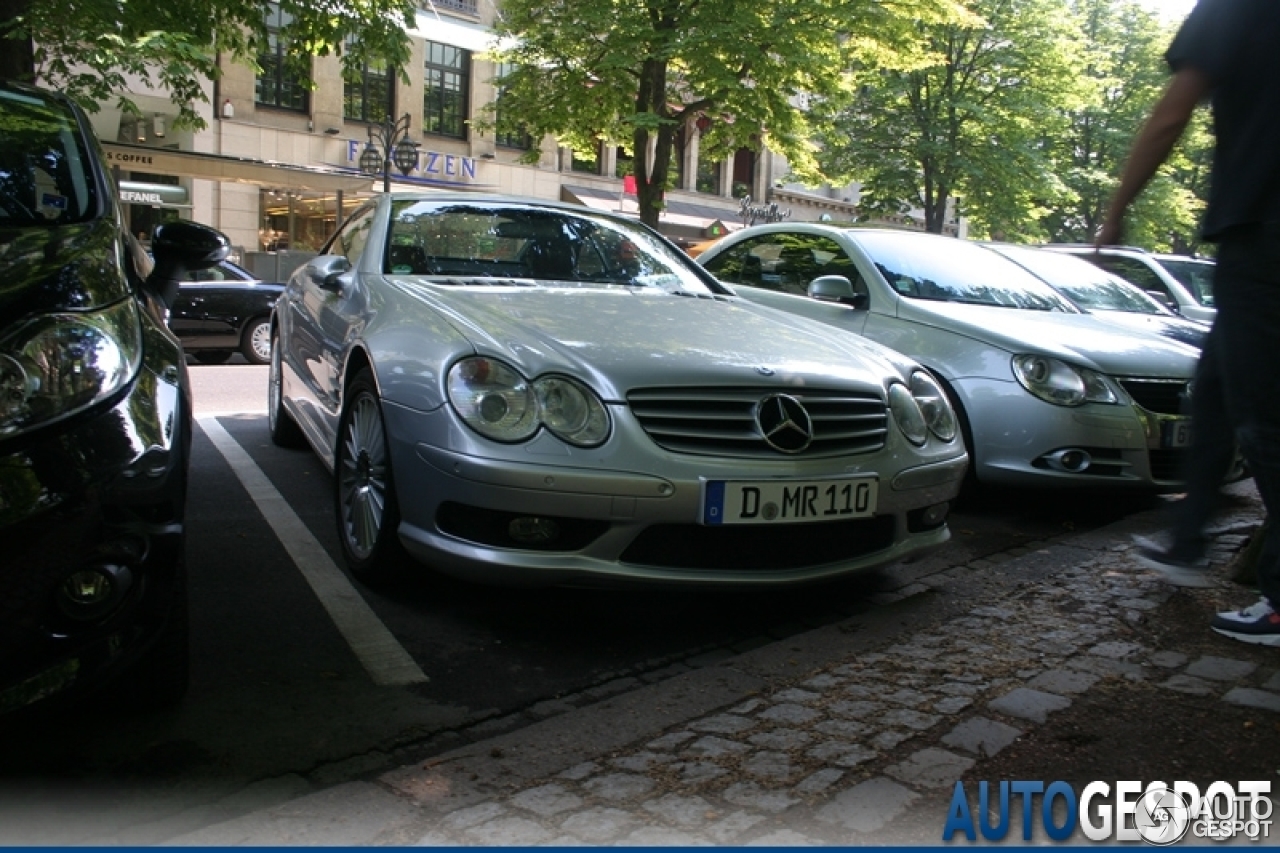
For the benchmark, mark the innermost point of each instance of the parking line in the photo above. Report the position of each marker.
(383, 657)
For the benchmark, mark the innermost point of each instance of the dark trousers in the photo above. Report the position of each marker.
(1237, 393)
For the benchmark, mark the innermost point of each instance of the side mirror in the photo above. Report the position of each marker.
(1161, 297)
(836, 288)
(326, 271)
(180, 247)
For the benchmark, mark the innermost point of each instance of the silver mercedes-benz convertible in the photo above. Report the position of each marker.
(519, 391)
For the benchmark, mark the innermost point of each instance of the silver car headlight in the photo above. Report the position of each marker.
(493, 399)
(1062, 384)
(59, 364)
(934, 405)
(499, 403)
(907, 414)
(922, 409)
(571, 411)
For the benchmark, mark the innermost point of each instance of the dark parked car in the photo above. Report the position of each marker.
(223, 310)
(95, 421)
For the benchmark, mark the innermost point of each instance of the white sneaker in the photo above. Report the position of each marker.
(1194, 575)
(1259, 623)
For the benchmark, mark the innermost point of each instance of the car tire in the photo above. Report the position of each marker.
(365, 504)
(285, 431)
(255, 343)
(212, 356)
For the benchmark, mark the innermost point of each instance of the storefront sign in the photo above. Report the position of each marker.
(753, 213)
(453, 168)
(156, 195)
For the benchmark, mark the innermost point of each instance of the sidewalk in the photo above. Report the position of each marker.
(1065, 661)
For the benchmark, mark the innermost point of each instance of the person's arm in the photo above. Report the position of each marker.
(1162, 130)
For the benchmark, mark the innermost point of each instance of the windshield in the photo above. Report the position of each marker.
(46, 172)
(458, 243)
(1088, 286)
(1196, 275)
(945, 269)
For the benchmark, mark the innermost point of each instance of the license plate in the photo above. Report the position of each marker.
(787, 501)
(1176, 433)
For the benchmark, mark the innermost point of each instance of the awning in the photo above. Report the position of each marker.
(677, 212)
(217, 167)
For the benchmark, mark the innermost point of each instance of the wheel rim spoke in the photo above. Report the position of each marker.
(363, 480)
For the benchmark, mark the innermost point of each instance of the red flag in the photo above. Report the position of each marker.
(629, 185)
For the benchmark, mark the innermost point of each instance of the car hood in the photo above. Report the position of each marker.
(630, 338)
(1178, 329)
(55, 269)
(1082, 339)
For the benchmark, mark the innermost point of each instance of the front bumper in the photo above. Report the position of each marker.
(619, 524)
(1022, 441)
(104, 490)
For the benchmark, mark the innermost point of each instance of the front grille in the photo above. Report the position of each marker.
(759, 548)
(721, 421)
(1160, 396)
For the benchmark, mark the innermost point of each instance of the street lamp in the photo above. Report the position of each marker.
(393, 146)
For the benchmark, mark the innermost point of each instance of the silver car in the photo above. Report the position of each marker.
(1047, 394)
(518, 391)
(1183, 283)
(1104, 294)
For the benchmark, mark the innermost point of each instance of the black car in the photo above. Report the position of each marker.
(222, 310)
(95, 421)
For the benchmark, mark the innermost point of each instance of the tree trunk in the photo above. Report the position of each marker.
(17, 53)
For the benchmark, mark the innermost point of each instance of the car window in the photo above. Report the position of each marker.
(220, 272)
(1087, 285)
(463, 242)
(46, 170)
(1195, 275)
(1134, 271)
(945, 269)
(351, 238)
(786, 261)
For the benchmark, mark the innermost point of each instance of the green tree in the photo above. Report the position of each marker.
(636, 72)
(92, 48)
(1125, 72)
(970, 124)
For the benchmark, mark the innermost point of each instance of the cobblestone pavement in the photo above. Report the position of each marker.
(834, 736)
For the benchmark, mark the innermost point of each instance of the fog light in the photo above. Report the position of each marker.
(92, 593)
(935, 514)
(532, 530)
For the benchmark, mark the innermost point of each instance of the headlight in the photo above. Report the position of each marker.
(906, 411)
(60, 364)
(571, 411)
(493, 399)
(922, 409)
(934, 405)
(1060, 383)
(499, 403)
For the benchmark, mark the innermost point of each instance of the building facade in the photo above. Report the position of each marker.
(278, 164)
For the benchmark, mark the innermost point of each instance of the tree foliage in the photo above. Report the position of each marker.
(632, 72)
(970, 125)
(1124, 70)
(94, 48)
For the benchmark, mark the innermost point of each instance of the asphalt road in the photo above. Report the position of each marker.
(285, 694)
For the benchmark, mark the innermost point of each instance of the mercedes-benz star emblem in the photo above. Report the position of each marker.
(784, 423)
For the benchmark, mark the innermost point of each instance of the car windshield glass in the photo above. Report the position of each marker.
(46, 175)
(464, 242)
(944, 269)
(1196, 275)
(1088, 286)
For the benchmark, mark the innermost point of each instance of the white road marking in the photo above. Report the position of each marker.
(383, 657)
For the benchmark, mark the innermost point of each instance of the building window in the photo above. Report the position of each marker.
(585, 163)
(506, 133)
(447, 79)
(277, 85)
(369, 93)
